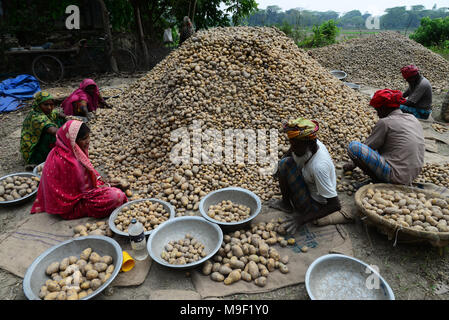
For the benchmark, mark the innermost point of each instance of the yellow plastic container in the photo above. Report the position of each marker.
(128, 262)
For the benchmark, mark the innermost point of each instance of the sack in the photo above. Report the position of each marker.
(167, 35)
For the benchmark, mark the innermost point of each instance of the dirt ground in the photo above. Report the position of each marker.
(414, 271)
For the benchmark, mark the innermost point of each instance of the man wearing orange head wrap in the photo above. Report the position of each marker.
(394, 152)
(307, 177)
(418, 94)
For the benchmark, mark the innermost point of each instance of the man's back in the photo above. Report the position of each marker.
(403, 146)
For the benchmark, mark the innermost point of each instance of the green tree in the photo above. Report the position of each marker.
(432, 32)
(323, 35)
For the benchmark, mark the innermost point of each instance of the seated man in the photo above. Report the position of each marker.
(394, 152)
(418, 94)
(307, 177)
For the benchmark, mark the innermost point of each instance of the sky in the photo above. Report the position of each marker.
(375, 7)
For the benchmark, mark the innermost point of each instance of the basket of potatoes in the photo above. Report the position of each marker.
(17, 188)
(76, 269)
(408, 213)
(150, 212)
(231, 208)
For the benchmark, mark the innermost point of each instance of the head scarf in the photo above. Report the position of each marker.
(67, 173)
(301, 129)
(81, 94)
(409, 71)
(41, 97)
(387, 98)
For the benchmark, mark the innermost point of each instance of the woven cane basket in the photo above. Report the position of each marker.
(396, 231)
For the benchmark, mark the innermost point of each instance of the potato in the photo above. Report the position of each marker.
(261, 281)
(110, 269)
(91, 274)
(94, 258)
(246, 276)
(73, 260)
(82, 294)
(106, 259)
(216, 276)
(233, 277)
(225, 270)
(253, 269)
(95, 284)
(86, 254)
(43, 292)
(284, 259)
(283, 268)
(53, 286)
(80, 228)
(52, 268)
(85, 285)
(207, 268)
(52, 295)
(237, 251)
(237, 264)
(100, 266)
(61, 296)
(271, 264)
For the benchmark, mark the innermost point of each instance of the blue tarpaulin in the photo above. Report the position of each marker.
(14, 91)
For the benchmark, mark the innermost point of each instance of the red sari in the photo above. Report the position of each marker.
(70, 186)
(80, 94)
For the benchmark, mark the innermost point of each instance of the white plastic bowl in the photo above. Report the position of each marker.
(35, 276)
(339, 277)
(236, 195)
(204, 231)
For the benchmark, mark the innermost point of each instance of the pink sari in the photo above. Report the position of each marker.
(79, 95)
(70, 186)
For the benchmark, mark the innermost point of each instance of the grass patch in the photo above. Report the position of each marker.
(444, 52)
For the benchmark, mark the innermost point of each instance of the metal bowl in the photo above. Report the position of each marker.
(204, 231)
(36, 168)
(339, 277)
(167, 206)
(25, 198)
(352, 85)
(236, 195)
(340, 75)
(35, 275)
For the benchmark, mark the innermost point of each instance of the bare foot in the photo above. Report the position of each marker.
(280, 205)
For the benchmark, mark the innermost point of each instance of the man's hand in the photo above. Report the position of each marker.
(291, 224)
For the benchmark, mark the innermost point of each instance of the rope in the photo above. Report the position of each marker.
(396, 237)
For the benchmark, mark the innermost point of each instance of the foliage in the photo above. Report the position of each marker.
(323, 35)
(433, 32)
(297, 34)
(394, 18)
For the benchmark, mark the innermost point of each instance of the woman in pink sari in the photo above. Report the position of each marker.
(85, 99)
(70, 186)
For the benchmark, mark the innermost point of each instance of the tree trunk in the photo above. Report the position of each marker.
(140, 35)
(107, 31)
(193, 13)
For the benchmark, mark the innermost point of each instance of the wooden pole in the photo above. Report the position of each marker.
(107, 31)
(140, 33)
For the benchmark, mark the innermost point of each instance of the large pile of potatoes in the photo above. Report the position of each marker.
(17, 187)
(377, 60)
(435, 173)
(74, 278)
(408, 209)
(150, 214)
(224, 78)
(249, 255)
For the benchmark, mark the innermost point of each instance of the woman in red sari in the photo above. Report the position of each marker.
(85, 99)
(70, 186)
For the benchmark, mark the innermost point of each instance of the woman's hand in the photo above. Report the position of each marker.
(349, 166)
